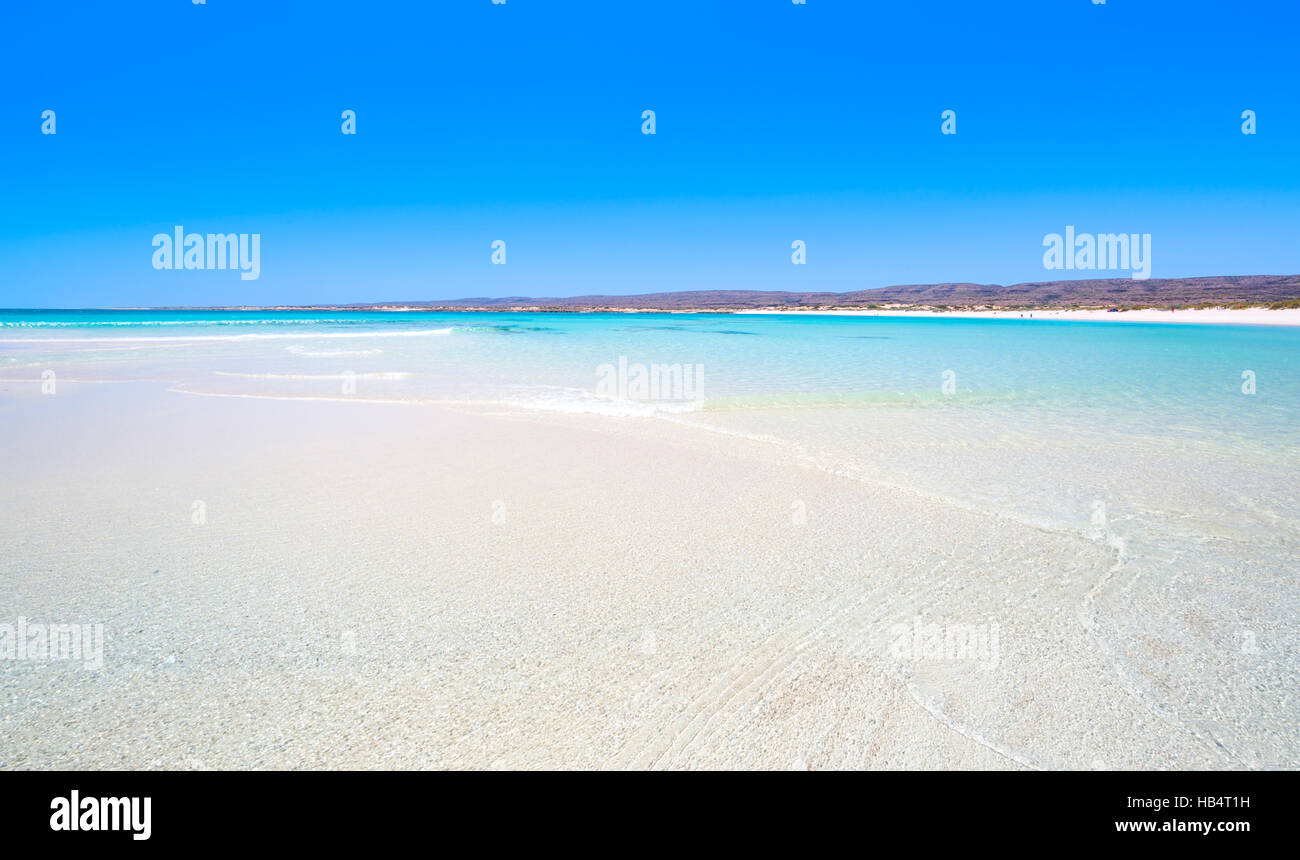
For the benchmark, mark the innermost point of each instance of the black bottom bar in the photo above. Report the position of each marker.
(360, 809)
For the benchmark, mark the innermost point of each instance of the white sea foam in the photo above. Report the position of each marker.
(232, 337)
(578, 401)
(335, 376)
(164, 323)
(338, 353)
(555, 400)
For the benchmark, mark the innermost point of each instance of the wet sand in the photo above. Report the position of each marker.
(390, 586)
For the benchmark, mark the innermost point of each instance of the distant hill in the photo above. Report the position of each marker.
(1245, 290)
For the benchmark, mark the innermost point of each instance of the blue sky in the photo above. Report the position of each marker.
(522, 122)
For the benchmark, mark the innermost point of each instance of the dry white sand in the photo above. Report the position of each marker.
(1213, 316)
(411, 587)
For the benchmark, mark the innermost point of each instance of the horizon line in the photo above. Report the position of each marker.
(1118, 288)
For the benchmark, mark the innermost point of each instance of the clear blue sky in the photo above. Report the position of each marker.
(522, 122)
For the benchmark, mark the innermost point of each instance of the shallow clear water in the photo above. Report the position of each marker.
(1184, 380)
(1142, 438)
(1044, 419)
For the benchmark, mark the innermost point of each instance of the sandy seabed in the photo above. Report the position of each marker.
(388, 586)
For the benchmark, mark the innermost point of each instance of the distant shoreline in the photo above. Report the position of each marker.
(1196, 316)
(1218, 298)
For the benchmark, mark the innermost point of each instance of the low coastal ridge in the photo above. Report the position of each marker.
(1274, 292)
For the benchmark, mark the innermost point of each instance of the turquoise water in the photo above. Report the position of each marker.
(1181, 380)
(956, 404)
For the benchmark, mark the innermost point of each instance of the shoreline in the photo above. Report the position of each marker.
(1192, 316)
(1195, 316)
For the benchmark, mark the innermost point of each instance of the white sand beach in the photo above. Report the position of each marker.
(1201, 316)
(378, 585)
